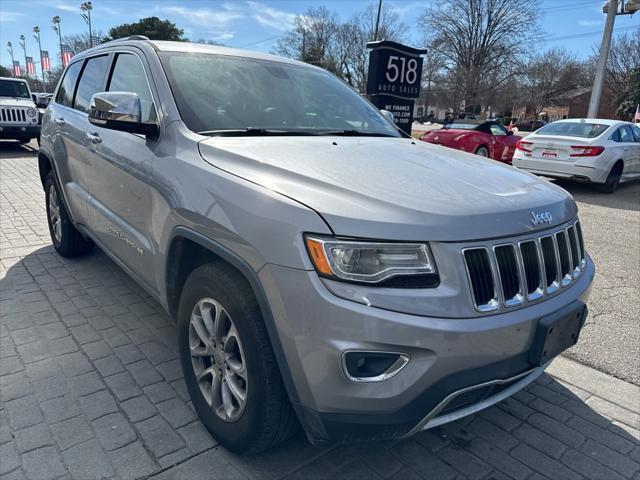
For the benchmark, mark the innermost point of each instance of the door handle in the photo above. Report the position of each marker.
(93, 137)
(59, 120)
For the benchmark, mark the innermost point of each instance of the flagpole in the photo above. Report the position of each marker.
(36, 29)
(10, 50)
(56, 27)
(23, 42)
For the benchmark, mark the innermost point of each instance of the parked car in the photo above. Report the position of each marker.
(603, 152)
(42, 101)
(484, 138)
(531, 125)
(323, 268)
(18, 113)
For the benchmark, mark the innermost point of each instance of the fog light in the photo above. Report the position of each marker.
(361, 366)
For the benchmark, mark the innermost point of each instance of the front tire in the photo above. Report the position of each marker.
(66, 239)
(228, 363)
(613, 179)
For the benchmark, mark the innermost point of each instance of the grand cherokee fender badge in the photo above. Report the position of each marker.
(542, 217)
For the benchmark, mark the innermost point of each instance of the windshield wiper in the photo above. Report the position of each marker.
(254, 132)
(355, 133)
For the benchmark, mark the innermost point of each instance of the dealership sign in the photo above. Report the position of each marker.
(395, 72)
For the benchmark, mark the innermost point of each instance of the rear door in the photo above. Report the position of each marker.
(120, 168)
(630, 152)
(67, 141)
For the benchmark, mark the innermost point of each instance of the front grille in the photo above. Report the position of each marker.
(510, 274)
(13, 115)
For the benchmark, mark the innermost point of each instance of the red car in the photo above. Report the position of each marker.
(484, 138)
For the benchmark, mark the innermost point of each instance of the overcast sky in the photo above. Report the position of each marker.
(256, 25)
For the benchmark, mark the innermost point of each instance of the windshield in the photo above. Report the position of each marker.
(218, 93)
(573, 129)
(461, 126)
(11, 88)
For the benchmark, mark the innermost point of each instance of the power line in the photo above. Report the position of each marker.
(585, 34)
(570, 6)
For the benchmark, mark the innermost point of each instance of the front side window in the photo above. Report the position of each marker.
(65, 92)
(12, 88)
(91, 81)
(220, 93)
(128, 76)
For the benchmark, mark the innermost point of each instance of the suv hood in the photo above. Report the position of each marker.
(394, 188)
(16, 102)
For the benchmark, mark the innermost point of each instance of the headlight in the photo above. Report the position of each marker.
(32, 112)
(373, 262)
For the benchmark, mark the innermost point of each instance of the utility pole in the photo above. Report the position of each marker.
(87, 7)
(375, 34)
(10, 50)
(602, 60)
(36, 30)
(23, 43)
(56, 28)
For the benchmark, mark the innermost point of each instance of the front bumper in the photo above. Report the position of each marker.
(587, 169)
(447, 356)
(19, 131)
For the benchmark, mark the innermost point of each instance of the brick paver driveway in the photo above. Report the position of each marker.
(91, 387)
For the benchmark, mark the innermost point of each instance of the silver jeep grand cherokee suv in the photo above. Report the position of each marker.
(324, 270)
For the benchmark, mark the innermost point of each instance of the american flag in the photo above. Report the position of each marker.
(16, 68)
(67, 54)
(95, 40)
(637, 117)
(46, 61)
(31, 67)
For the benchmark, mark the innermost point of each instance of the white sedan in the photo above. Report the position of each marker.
(604, 152)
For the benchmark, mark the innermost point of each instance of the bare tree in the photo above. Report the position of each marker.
(312, 39)
(476, 39)
(623, 59)
(79, 41)
(548, 75)
(319, 38)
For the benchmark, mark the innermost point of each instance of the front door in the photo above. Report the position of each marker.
(119, 170)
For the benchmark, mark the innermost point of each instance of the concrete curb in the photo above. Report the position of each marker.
(622, 394)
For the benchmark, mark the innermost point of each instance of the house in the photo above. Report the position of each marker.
(572, 104)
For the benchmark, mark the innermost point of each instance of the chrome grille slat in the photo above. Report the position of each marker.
(513, 273)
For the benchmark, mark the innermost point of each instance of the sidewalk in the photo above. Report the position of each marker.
(91, 387)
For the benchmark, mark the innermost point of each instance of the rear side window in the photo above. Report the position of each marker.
(574, 129)
(65, 92)
(128, 76)
(623, 135)
(91, 81)
(636, 132)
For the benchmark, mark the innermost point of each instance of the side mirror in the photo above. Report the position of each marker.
(34, 98)
(120, 111)
(388, 115)
(509, 132)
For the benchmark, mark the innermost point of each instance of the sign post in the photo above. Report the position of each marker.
(395, 73)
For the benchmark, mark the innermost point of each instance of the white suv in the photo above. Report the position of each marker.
(18, 113)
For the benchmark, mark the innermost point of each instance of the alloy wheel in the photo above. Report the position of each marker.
(54, 213)
(218, 360)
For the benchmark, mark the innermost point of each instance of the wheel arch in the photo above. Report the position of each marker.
(44, 166)
(188, 250)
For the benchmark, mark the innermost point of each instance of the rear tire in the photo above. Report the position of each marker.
(482, 151)
(66, 239)
(224, 348)
(613, 179)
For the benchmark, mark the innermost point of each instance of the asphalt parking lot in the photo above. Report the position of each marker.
(90, 384)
